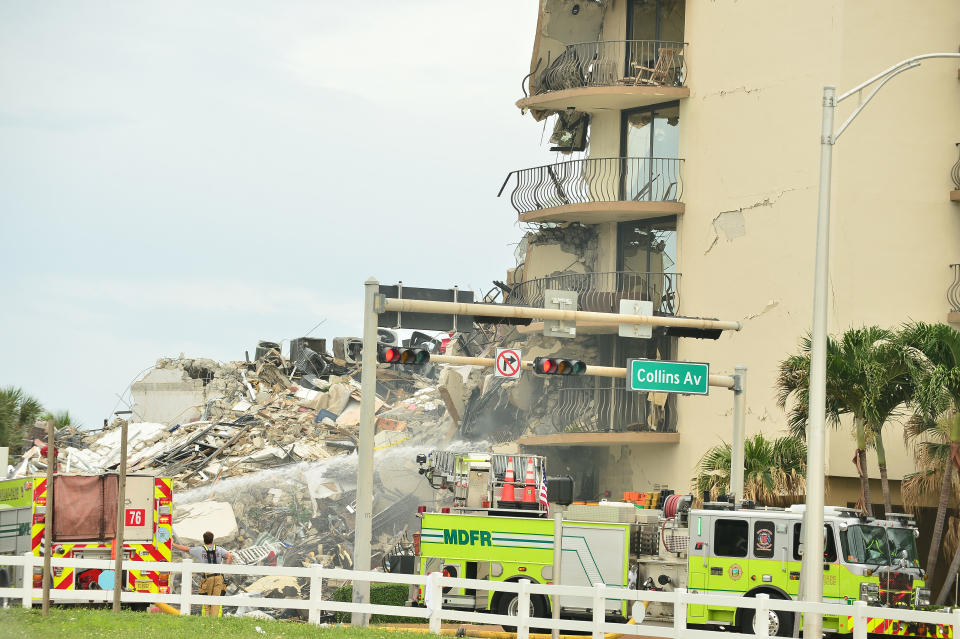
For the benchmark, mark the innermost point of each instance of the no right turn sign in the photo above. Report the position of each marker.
(507, 363)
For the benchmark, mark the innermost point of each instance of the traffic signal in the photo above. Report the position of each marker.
(402, 354)
(558, 366)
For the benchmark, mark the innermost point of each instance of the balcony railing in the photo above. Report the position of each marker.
(602, 292)
(955, 174)
(608, 406)
(953, 293)
(595, 180)
(612, 63)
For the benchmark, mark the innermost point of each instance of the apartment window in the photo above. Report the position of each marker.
(647, 261)
(648, 246)
(656, 20)
(650, 142)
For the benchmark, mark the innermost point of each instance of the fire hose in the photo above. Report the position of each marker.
(499, 634)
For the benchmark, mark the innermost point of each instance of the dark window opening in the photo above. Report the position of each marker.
(829, 546)
(656, 20)
(648, 246)
(730, 537)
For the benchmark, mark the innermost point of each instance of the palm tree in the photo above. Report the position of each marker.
(18, 411)
(61, 418)
(774, 471)
(867, 378)
(934, 457)
(934, 428)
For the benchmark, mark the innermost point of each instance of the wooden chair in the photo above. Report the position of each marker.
(657, 74)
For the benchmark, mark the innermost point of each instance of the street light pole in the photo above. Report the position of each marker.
(813, 535)
(812, 583)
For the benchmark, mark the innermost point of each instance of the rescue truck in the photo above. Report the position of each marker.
(498, 529)
(84, 522)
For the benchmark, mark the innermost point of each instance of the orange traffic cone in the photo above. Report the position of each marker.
(530, 487)
(508, 496)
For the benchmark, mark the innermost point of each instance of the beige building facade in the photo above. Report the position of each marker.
(688, 176)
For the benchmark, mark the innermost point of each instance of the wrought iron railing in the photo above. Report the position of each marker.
(953, 293)
(607, 406)
(612, 63)
(955, 171)
(595, 180)
(602, 292)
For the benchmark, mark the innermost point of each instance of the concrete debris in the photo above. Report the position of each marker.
(192, 520)
(262, 454)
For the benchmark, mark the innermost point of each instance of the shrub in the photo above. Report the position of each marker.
(381, 594)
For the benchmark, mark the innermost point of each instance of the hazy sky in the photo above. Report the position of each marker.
(194, 176)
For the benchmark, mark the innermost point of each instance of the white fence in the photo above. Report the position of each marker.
(435, 613)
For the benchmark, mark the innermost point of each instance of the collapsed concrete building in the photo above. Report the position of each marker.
(261, 451)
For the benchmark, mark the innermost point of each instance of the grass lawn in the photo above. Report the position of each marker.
(84, 623)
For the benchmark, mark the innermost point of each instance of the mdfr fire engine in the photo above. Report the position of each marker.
(497, 529)
(84, 521)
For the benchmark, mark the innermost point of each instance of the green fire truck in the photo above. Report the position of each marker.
(502, 535)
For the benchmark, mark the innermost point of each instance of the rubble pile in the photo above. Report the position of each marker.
(261, 453)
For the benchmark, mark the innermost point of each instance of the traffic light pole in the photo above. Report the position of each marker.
(737, 455)
(499, 310)
(363, 527)
(723, 381)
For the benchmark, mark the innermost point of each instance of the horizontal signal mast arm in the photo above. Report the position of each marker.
(723, 381)
(499, 310)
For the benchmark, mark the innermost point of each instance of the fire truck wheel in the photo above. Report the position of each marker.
(779, 623)
(508, 605)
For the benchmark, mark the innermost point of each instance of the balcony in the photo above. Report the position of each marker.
(953, 296)
(597, 190)
(604, 413)
(613, 74)
(602, 292)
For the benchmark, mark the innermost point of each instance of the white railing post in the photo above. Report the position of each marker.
(434, 601)
(859, 620)
(28, 580)
(316, 594)
(186, 585)
(599, 609)
(679, 613)
(761, 617)
(523, 610)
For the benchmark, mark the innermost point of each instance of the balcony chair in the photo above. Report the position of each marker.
(646, 188)
(657, 74)
(657, 414)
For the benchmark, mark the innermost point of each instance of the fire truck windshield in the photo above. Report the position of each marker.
(903, 546)
(865, 545)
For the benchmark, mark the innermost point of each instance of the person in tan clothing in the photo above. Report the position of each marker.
(211, 583)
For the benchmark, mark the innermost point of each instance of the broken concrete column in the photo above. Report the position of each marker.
(453, 392)
(192, 520)
(167, 395)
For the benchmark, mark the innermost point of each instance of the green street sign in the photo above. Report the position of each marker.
(690, 378)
